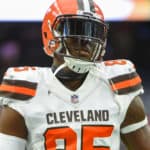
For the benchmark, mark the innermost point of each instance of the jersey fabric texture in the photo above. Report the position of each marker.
(10, 142)
(58, 118)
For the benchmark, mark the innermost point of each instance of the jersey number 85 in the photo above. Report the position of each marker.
(88, 133)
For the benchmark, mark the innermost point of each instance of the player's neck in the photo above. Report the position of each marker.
(72, 84)
(69, 78)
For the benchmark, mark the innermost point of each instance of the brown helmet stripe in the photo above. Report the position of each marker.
(80, 4)
(92, 8)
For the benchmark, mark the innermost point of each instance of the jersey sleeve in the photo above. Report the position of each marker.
(18, 84)
(125, 83)
(124, 79)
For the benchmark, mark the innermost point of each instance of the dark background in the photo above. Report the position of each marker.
(21, 45)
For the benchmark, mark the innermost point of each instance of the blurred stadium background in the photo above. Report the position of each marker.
(129, 35)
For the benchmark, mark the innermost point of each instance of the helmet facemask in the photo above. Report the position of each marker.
(83, 38)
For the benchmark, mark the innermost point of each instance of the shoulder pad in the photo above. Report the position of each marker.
(19, 83)
(123, 77)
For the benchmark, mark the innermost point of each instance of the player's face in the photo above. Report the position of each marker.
(82, 36)
(81, 48)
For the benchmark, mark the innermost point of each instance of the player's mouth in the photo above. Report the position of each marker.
(81, 54)
(85, 54)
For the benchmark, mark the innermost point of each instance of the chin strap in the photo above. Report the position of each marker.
(59, 68)
(75, 65)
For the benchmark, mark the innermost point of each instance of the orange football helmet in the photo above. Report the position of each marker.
(82, 20)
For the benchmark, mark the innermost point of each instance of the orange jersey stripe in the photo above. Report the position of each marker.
(127, 83)
(16, 89)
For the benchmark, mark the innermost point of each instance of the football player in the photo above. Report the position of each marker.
(81, 102)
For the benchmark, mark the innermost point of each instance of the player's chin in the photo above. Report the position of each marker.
(85, 55)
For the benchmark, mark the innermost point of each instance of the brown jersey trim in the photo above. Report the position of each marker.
(126, 83)
(15, 95)
(124, 77)
(20, 83)
(18, 89)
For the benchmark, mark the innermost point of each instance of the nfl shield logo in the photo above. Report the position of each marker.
(74, 99)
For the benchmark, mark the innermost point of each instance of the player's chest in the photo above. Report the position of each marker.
(97, 105)
(76, 121)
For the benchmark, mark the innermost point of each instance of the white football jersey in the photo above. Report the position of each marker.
(60, 119)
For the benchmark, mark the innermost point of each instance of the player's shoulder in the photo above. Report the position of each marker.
(118, 67)
(20, 82)
(21, 73)
(122, 76)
